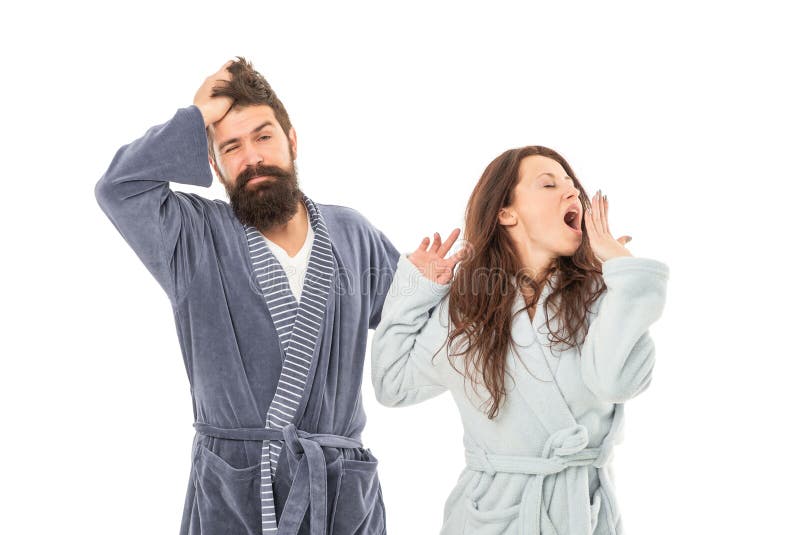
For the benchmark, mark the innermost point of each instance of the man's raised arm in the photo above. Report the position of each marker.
(163, 227)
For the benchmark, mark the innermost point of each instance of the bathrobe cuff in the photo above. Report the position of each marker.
(191, 149)
(630, 272)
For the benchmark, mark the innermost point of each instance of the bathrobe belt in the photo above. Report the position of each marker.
(564, 449)
(309, 481)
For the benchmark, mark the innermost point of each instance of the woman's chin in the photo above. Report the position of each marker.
(571, 249)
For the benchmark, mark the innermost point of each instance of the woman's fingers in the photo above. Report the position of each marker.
(456, 257)
(604, 210)
(431, 250)
(599, 219)
(437, 242)
(590, 228)
(598, 213)
(448, 243)
(595, 217)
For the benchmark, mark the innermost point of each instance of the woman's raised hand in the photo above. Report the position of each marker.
(431, 260)
(600, 239)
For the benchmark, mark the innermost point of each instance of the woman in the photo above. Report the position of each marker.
(541, 335)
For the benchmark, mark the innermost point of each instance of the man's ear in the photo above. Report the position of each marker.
(211, 160)
(213, 164)
(507, 217)
(293, 142)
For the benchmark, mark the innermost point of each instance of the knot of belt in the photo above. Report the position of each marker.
(563, 449)
(309, 480)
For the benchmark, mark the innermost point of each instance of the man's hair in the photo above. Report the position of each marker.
(248, 87)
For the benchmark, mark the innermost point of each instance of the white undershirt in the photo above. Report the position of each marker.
(294, 266)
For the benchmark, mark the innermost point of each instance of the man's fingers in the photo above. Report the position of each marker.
(223, 74)
(448, 243)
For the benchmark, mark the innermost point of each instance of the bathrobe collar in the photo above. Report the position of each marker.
(524, 331)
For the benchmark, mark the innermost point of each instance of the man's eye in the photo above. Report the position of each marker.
(229, 149)
(264, 137)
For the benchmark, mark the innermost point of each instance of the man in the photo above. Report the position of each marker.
(274, 355)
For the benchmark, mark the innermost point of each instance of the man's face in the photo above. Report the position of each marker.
(255, 163)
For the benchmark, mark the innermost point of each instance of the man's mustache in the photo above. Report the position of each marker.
(261, 170)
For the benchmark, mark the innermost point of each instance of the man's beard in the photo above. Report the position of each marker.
(270, 203)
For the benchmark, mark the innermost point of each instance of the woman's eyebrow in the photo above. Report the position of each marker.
(552, 175)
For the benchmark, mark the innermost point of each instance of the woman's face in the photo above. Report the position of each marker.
(541, 200)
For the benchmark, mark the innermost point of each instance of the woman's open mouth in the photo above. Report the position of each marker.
(573, 221)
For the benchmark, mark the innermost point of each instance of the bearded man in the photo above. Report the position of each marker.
(273, 295)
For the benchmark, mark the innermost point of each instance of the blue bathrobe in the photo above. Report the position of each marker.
(275, 384)
(543, 465)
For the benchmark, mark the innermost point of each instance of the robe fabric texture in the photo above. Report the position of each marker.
(275, 383)
(542, 466)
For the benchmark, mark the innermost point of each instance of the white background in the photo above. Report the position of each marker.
(685, 114)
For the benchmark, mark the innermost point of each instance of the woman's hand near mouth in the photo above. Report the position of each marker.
(600, 239)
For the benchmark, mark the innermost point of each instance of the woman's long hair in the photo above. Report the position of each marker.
(485, 284)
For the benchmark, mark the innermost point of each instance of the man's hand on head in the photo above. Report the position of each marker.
(213, 108)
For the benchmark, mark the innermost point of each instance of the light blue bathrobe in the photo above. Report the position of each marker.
(542, 466)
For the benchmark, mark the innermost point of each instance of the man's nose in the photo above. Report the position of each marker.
(251, 155)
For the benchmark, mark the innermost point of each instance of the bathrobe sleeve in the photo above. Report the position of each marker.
(164, 228)
(384, 263)
(618, 355)
(408, 337)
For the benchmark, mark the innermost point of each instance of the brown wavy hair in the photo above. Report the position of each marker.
(487, 279)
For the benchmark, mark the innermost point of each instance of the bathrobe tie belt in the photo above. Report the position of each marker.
(309, 478)
(564, 449)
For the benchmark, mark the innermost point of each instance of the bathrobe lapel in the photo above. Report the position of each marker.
(534, 373)
(535, 366)
(274, 286)
(298, 326)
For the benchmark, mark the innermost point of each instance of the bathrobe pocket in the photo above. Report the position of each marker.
(491, 511)
(358, 507)
(227, 497)
(491, 522)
